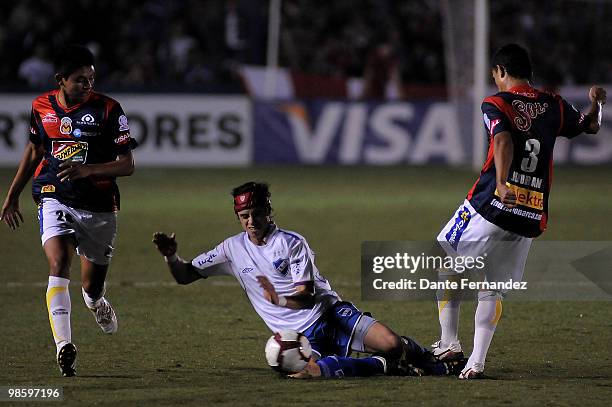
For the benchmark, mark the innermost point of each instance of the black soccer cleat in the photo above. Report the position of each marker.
(397, 367)
(66, 359)
(455, 366)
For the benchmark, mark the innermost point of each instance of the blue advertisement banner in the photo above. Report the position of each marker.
(336, 132)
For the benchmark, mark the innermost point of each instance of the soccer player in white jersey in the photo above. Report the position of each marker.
(508, 205)
(276, 270)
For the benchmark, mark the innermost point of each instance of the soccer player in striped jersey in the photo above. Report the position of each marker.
(276, 269)
(79, 143)
(508, 205)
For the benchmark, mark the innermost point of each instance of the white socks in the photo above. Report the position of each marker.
(487, 315)
(448, 314)
(58, 304)
(93, 303)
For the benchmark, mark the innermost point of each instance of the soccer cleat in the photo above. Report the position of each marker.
(476, 371)
(452, 352)
(455, 366)
(398, 367)
(66, 359)
(105, 316)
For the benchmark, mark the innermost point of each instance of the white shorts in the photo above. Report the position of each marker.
(467, 233)
(94, 231)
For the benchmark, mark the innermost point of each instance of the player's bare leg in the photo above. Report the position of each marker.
(381, 339)
(93, 277)
(58, 250)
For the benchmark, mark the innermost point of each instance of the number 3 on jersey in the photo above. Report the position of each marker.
(529, 164)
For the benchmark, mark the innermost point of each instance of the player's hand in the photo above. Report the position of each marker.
(507, 195)
(165, 244)
(10, 213)
(72, 171)
(597, 94)
(269, 291)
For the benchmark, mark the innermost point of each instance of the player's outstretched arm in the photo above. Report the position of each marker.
(598, 97)
(10, 213)
(303, 297)
(182, 271)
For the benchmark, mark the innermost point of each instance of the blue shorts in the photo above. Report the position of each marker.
(335, 331)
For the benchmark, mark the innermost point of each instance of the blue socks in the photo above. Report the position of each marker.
(337, 366)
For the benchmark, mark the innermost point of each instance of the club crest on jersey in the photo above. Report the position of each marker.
(461, 222)
(281, 265)
(66, 125)
(123, 123)
(47, 189)
(49, 118)
(74, 151)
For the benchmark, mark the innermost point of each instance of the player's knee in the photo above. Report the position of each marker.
(390, 343)
(59, 266)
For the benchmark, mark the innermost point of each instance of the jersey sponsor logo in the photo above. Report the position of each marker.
(124, 138)
(296, 267)
(516, 211)
(88, 119)
(123, 123)
(47, 189)
(527, 112)
(88, 133)
(75, 151)
(281, 265)
(49, 118)
(461, 222)
(208, 259)
(527, 197)
(76, 133)
(66, 125)
(247, 270)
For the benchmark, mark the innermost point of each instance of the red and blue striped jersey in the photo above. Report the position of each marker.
(534, 119)
(95, 131)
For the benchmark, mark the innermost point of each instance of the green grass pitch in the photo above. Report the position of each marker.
(203, 345)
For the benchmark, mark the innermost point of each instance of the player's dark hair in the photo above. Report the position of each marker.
(261, 194)
(514, 59)
(72, 57)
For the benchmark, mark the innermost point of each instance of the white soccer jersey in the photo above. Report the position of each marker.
(286, 260)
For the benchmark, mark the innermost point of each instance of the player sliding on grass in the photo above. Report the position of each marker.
(277, 272)
(79, 143)
(508, 204)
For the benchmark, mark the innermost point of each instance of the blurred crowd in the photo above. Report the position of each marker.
(199, 45)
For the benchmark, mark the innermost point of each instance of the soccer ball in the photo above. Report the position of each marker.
(288, 351)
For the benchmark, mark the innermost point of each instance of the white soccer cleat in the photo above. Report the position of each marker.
(105, 316)
(476, 371)
(451, 352)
